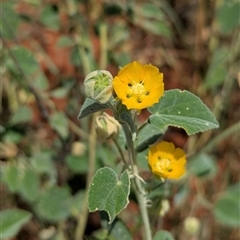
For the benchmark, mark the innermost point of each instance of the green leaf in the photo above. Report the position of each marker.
(53, 204)
(40, 81)
(90, 106)
(9, 20)
(22, 115)
(227, 207)
(119, 35)
(121, 58)
(149, 10)
(77, 164)
(126, 117)
(217, 70)
(42, 163)
(62, 91)
(12, 137)
(50, 18)
(102, 234)
(75, 58)
(27, 62)
(148, 135)
(163, 235)
(29, 186)
(202, 165)
(215, 76)
(156, 27)
(184, 110)
(142, 160)
(119, 227)
(25, 59)
(107, 157)
(108, 193)
(181, 196)
(11, 221)
(112, 231)
(228, 16)
(59, 122)
(158, 190)
(11, 177)
(65, 41)
(77, 203)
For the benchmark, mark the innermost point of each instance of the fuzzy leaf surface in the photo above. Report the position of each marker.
(108, 192)
(90, 106)
(184, 110)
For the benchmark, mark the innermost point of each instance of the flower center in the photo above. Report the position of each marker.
(138, 89)
(163, 164)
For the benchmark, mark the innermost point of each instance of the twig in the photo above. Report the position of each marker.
(41, 106)
(82, 218)
(120, 150)
(75, 128)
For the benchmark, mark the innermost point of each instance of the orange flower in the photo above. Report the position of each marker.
(138, 86)
(166, 161)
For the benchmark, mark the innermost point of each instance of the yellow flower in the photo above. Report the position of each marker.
(138, 86)
(166, 161)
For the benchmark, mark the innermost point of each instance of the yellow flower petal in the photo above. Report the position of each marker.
(166, 161)
(138, 86)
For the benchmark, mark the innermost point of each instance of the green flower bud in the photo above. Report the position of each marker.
(106, 127)
(98, 86)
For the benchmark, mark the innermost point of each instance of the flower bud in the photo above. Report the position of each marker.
(98, 85)
(164, 208)
(106, 127)
(78, 148)
(191, 225)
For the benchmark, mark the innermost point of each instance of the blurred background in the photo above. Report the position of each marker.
(49, 46)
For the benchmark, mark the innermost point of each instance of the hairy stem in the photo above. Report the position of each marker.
(138, 189)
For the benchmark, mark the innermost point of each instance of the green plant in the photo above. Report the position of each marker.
(110, 192)
(49, 157)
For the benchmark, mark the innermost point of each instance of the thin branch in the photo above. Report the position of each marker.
(41, 106)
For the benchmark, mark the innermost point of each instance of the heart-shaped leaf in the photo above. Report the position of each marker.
(108, 192)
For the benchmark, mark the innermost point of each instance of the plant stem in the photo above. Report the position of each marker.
(82, 218)
(138, 189)
(77, 130)
(120, 150)
(103, 45)
(130, 145)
